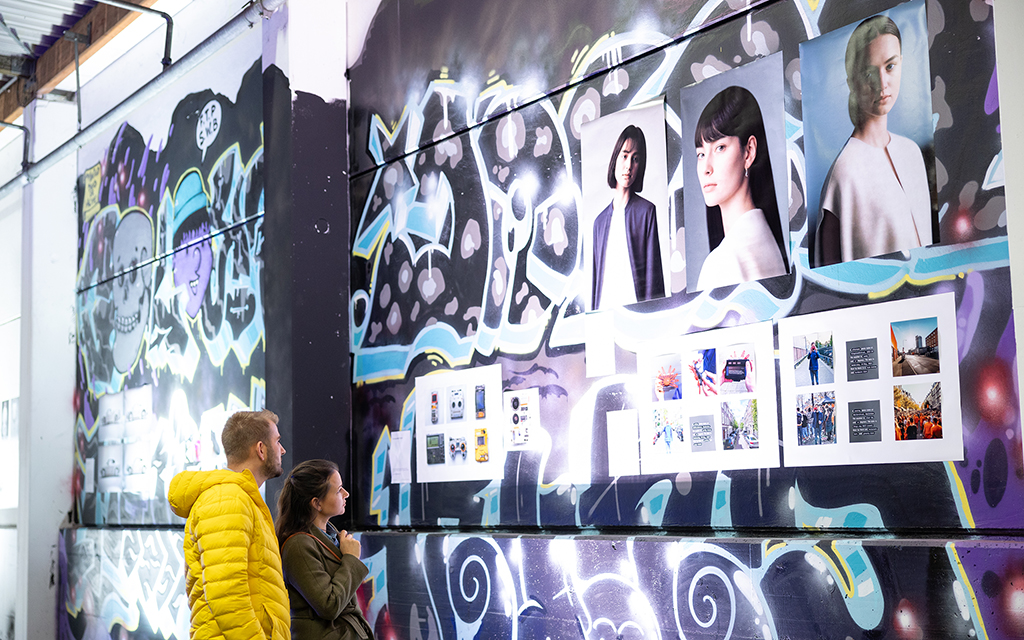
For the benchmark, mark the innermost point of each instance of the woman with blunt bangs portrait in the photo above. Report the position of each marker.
(321, 565)
(735, 175)
(627, 253)
(876, 198)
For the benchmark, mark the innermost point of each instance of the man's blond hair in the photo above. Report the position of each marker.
(243, 430)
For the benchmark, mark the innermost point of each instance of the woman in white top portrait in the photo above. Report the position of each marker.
(876, 198)
(735, 174)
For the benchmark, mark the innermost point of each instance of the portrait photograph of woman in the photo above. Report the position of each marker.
(868, 138)
(625, 204)
(736, 226)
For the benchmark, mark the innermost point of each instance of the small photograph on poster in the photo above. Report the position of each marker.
(703, 374)
(865, 420)
(111, 417)
(735, 200)
(456, 403)
(812, 359)
(667, 382)
(862, 360)
(915, 347)
(435, 406)
(522, 421)
(139, 473)
(816, 418)
(917, 411)
(458, 450)
(736, 374)
(868, 138)
(669, 427)
(110, 468)
(435, 448)
(702, 433)
(626, 226)
(138, 412)
(739, 425)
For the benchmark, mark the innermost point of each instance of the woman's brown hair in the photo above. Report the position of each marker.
(308, 480)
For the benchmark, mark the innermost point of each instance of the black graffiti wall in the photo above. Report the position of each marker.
(170, 309)
(499, 279)
(468, 250)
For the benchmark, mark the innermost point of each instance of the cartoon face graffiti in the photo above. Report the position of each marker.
(192, 270)
(133, 246)
(192, 263)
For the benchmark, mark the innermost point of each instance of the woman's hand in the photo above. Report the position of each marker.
(348, 544)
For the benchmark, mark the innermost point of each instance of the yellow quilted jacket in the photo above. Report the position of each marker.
(234, 583)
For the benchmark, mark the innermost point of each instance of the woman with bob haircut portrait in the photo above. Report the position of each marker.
(627, 252)
(321, 565)
(735, 175)
(876, 198)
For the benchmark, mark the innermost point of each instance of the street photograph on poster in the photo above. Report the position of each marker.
(918, 411)
(812, 359)
(873, 413)
(915, 347)
(460, 425)
(735, 196)
(668, 427)
(716, 423)
(627, 234)
(868, 138)
(816, 418)
(739, 425)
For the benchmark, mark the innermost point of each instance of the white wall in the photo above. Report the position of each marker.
(10, 359)
(49, 240)
(1009, 24)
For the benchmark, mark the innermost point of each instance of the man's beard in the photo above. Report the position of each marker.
(271, 467)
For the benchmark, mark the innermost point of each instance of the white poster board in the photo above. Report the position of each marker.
(888, 377)
(710, 402)
(460, 425)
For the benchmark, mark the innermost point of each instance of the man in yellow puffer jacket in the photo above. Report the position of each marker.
(234, 582)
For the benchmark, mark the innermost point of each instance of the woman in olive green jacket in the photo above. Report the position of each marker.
(321, 565)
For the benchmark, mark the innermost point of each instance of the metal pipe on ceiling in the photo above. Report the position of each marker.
(7, 85)
(166, 16)
(250, 15)
(27, 141)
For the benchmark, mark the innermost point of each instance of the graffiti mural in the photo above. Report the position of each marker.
(467, 252)
(119, 584)
(127, 584)
(170, 309)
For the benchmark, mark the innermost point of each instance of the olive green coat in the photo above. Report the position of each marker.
(322, 585)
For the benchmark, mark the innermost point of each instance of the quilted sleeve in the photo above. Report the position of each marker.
(304, 569)
(224, 530)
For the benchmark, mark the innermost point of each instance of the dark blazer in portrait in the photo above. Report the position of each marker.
(644, 250)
